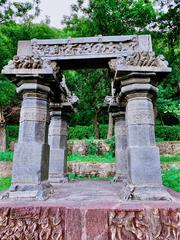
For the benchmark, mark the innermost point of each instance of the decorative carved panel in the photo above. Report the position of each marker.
(31, 224)
(98, 47)
(152, 224)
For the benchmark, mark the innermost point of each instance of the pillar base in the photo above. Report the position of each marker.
(119, 178)
(58, 179)
(30, 192)
(150, 193)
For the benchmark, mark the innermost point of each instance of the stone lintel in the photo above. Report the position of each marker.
(84, 48)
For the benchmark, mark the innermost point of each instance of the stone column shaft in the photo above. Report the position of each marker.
(120, 147)
(31, 156)
(143, 155)
(58, 147)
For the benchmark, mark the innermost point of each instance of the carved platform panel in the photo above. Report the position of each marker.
(31, 224)
(76, 223)
(152, 224)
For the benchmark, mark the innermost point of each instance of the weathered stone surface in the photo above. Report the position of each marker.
(79, 146)
(32, 223)
(92, 169)
(57, 139)
(169, 147)
(121, 153)
(5, 169)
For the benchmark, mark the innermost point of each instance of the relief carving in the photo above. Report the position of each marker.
(38, 225)
(28, 62)
(139, 59)
(152, 224)
(128, 225)
(140, 117)
(165, 224)
(76, 49)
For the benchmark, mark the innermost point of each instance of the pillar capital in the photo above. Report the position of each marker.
(118, 115)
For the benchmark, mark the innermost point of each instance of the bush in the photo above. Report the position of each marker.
(171, 179)
(163, 133)
(170, 158)
(5, 183)
(12, 133)
(86, 132)
(167, 133)
(6, 156)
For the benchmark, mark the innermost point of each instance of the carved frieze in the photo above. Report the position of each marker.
(155, 224)
(140, 117)
(139, 59)
(120, 131)
(33, 114)
(128, 225)
(86, 48)
(58, 131)
(34, 224)
(28, 62)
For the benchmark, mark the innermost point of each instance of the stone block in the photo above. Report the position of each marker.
(144, 166)
(31, 162)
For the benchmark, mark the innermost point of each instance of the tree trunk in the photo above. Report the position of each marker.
(2, 131)
(110, 126)
(96, 124)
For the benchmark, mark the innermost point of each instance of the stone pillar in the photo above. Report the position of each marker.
(120, 147)
(31, 156)
(58, 145)
(144, 158)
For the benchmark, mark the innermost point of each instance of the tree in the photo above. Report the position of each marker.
(7, 94)
(159, 18)
(18, 11)
(105, 17)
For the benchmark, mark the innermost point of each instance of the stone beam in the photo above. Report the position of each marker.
(85, 48)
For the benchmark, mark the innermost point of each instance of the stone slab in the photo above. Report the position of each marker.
(78, 212)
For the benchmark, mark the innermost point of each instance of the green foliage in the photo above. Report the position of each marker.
(86, 132)
(6, 156)
(92, 146)
(170, 158)
(11, 133)
(106, 158)
(167, 133)
(5, 183)
(171, 179)
(73, 176)
(19, 11)
(7, 92)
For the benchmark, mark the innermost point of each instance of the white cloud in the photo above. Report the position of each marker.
(55, 9)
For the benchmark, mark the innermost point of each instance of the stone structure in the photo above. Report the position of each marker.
(37, 71)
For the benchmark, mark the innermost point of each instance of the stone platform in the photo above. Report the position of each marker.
(89, 210)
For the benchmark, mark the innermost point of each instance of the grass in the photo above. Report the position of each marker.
(105, 158)
(171, 179)
(5, 183)
(6, 156)
(170, 158)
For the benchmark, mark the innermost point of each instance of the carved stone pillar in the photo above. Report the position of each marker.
(120, 147)
(58, 144)
(31, 156)
(144, 158)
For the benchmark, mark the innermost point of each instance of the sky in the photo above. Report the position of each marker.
(55, 9)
